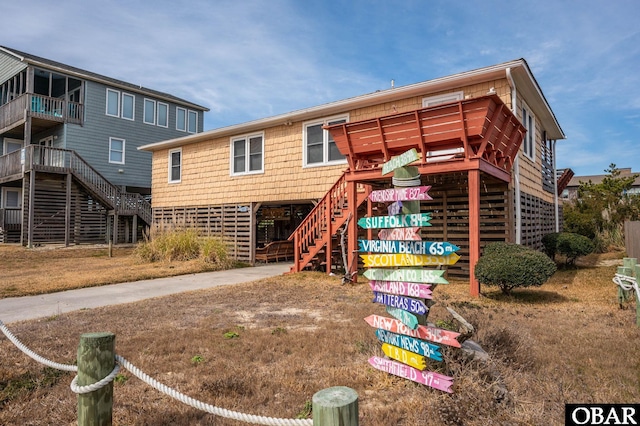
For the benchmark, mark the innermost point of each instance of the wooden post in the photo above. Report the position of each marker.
(352, 231)
(96, 359)
(336, 406)
(474, 230)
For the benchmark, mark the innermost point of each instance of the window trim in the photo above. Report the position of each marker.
(247, 161)
(166, 114)
(529, 142)
(325, 141)
(184, 112)
(107, 103)
(7, 141)
(144, 113)
(124, 144)
(133, 106)
(170, 165)
(442, 99)
(4, 197)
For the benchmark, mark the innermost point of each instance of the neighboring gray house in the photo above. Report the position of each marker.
(70, 170)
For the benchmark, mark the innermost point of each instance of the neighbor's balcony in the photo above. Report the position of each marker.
(45, 110)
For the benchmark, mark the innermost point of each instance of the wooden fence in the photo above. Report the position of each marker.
(632, 238)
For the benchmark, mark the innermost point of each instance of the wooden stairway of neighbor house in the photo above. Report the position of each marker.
(316, 239)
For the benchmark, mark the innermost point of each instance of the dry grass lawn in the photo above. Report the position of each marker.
(266, 347)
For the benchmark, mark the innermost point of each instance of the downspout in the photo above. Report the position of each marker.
(555, 184)
(516, 161)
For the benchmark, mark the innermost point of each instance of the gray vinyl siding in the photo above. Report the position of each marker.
(9, 67)
(91, 141)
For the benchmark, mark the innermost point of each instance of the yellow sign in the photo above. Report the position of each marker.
(412, 359)
(399, 259)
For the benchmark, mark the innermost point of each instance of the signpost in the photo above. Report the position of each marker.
(422, 291)
(411, 233)
(410, 344)
(389, 259)
(406, 357)
(426, 332)
(434, 248)
(428, 378)
(416, 193)
(397, 221)
(401, 160)
(408, 304)
(407, 318)
(394, 208)
(427, 276)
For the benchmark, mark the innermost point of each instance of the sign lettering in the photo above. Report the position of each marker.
(410, 344)
(426, 332)
(427, 276)
(397, 221)
(389, 259)
(405, 357)
(407, 318)
(408, 304)
(432, 248)
(422, 291)
(413, 193)
(401, 160)
(428, 378)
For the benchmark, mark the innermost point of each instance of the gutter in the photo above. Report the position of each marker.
(516, 162)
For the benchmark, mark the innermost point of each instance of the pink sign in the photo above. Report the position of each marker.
(426, 332)
(400, 234)
(428, 378)
(422, 291)
(400, 194)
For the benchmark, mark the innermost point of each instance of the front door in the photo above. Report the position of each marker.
(43, 155)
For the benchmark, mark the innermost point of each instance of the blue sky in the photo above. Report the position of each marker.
(252, 59)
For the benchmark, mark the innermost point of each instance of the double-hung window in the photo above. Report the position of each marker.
(149, 111)
(175, 165)
(192, 122)
(11, 198)
(163, 115)
(529, 142)
(116, 150)
(319, 147)
(181, 119)
(247, 154)
(121, 105)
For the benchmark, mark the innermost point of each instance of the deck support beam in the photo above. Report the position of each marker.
(474, 229)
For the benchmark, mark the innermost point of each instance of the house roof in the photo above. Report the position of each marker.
(518, 69)
(597, 179)
(88, 75)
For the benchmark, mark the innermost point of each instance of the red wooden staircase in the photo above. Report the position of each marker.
(315, 233)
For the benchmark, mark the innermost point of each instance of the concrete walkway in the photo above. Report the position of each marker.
(45, 305)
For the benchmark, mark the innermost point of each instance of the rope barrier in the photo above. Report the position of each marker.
(221, 412)
(633, 284)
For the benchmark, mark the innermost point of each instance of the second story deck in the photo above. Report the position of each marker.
(45, 112)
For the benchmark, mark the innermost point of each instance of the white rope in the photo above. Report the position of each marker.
(247, 418)
(221, 412)
(30, 353)
(633, 284)
(94, 386)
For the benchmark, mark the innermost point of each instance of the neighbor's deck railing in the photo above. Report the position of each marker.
(40, 106)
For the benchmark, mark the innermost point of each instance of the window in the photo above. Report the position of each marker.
(149, 111)
(247, 154)
(442, 99)
(319, 146)
(11, 198)
(175, 165)
(11, 145)
(163, 115)
(113, 103)
(116, 150)
(128, 106)
(528, 144)
(193, 122)
(181, 119)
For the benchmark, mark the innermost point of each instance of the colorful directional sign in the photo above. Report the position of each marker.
(428, 378)
(427, 276)
(423, 291)
(408, 304)
(407, 318)
(389, 259)
(426, 332)
(401, 160)
(405, 357)
(410, 344)
(394, 208)
(434, 248)
(412, 233)
(413, 193)
(397, 221)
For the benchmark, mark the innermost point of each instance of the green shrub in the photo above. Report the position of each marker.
(573, 246)
(510, 266)
(550, 242)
